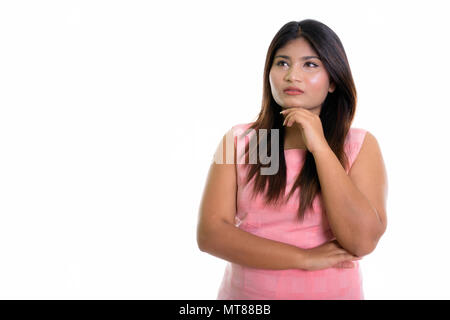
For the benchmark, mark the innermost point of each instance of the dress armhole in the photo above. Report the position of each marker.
(354, 145)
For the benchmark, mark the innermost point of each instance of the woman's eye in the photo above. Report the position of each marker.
(281, 61)
(312, 63)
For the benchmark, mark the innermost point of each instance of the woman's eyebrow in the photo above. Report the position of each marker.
(303, 58)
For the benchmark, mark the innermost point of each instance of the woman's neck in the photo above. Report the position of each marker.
(293, 138)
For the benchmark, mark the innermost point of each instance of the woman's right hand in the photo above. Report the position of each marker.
(329, 255)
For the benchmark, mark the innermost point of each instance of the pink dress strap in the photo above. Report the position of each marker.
(353, 144)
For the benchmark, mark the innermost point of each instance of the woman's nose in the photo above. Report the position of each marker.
(294, 74)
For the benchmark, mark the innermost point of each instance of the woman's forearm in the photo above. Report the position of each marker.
(228, 242)
(352, 219)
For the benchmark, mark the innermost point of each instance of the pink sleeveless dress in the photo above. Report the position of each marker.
(280, 224)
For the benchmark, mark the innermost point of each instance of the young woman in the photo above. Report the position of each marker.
(297, 233)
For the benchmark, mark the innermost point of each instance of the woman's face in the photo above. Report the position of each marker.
(298, 69)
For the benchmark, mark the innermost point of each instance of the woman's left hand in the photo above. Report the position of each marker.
(309, 125)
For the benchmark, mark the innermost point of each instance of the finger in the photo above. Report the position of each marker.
(289, 123)
(286, 119)
(340, 258)
(340, 251)
(345, 256)
(288, 111)
(348, 263)
(352, 256)
(291, 120)
(285, 112)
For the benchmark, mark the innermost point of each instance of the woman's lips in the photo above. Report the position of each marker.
(293, 92)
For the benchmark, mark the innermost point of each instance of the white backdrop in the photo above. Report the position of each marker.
(110, 112)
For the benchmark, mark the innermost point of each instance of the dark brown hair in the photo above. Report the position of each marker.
(336, 114)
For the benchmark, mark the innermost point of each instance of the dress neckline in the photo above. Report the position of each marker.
(294, 155)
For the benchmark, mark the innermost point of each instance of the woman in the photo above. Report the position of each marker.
(297, 233)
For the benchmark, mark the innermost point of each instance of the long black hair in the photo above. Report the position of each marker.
(336, 114)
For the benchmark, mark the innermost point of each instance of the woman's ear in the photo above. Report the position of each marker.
(332, 87)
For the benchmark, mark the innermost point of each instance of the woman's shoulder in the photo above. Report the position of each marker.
(239, 130)
(242, 126)
(353, 143)
(355, 135)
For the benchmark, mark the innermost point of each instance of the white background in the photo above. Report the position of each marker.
(110, 112)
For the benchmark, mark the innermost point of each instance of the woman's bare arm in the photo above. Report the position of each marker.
(228, 242)
(217, 234)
